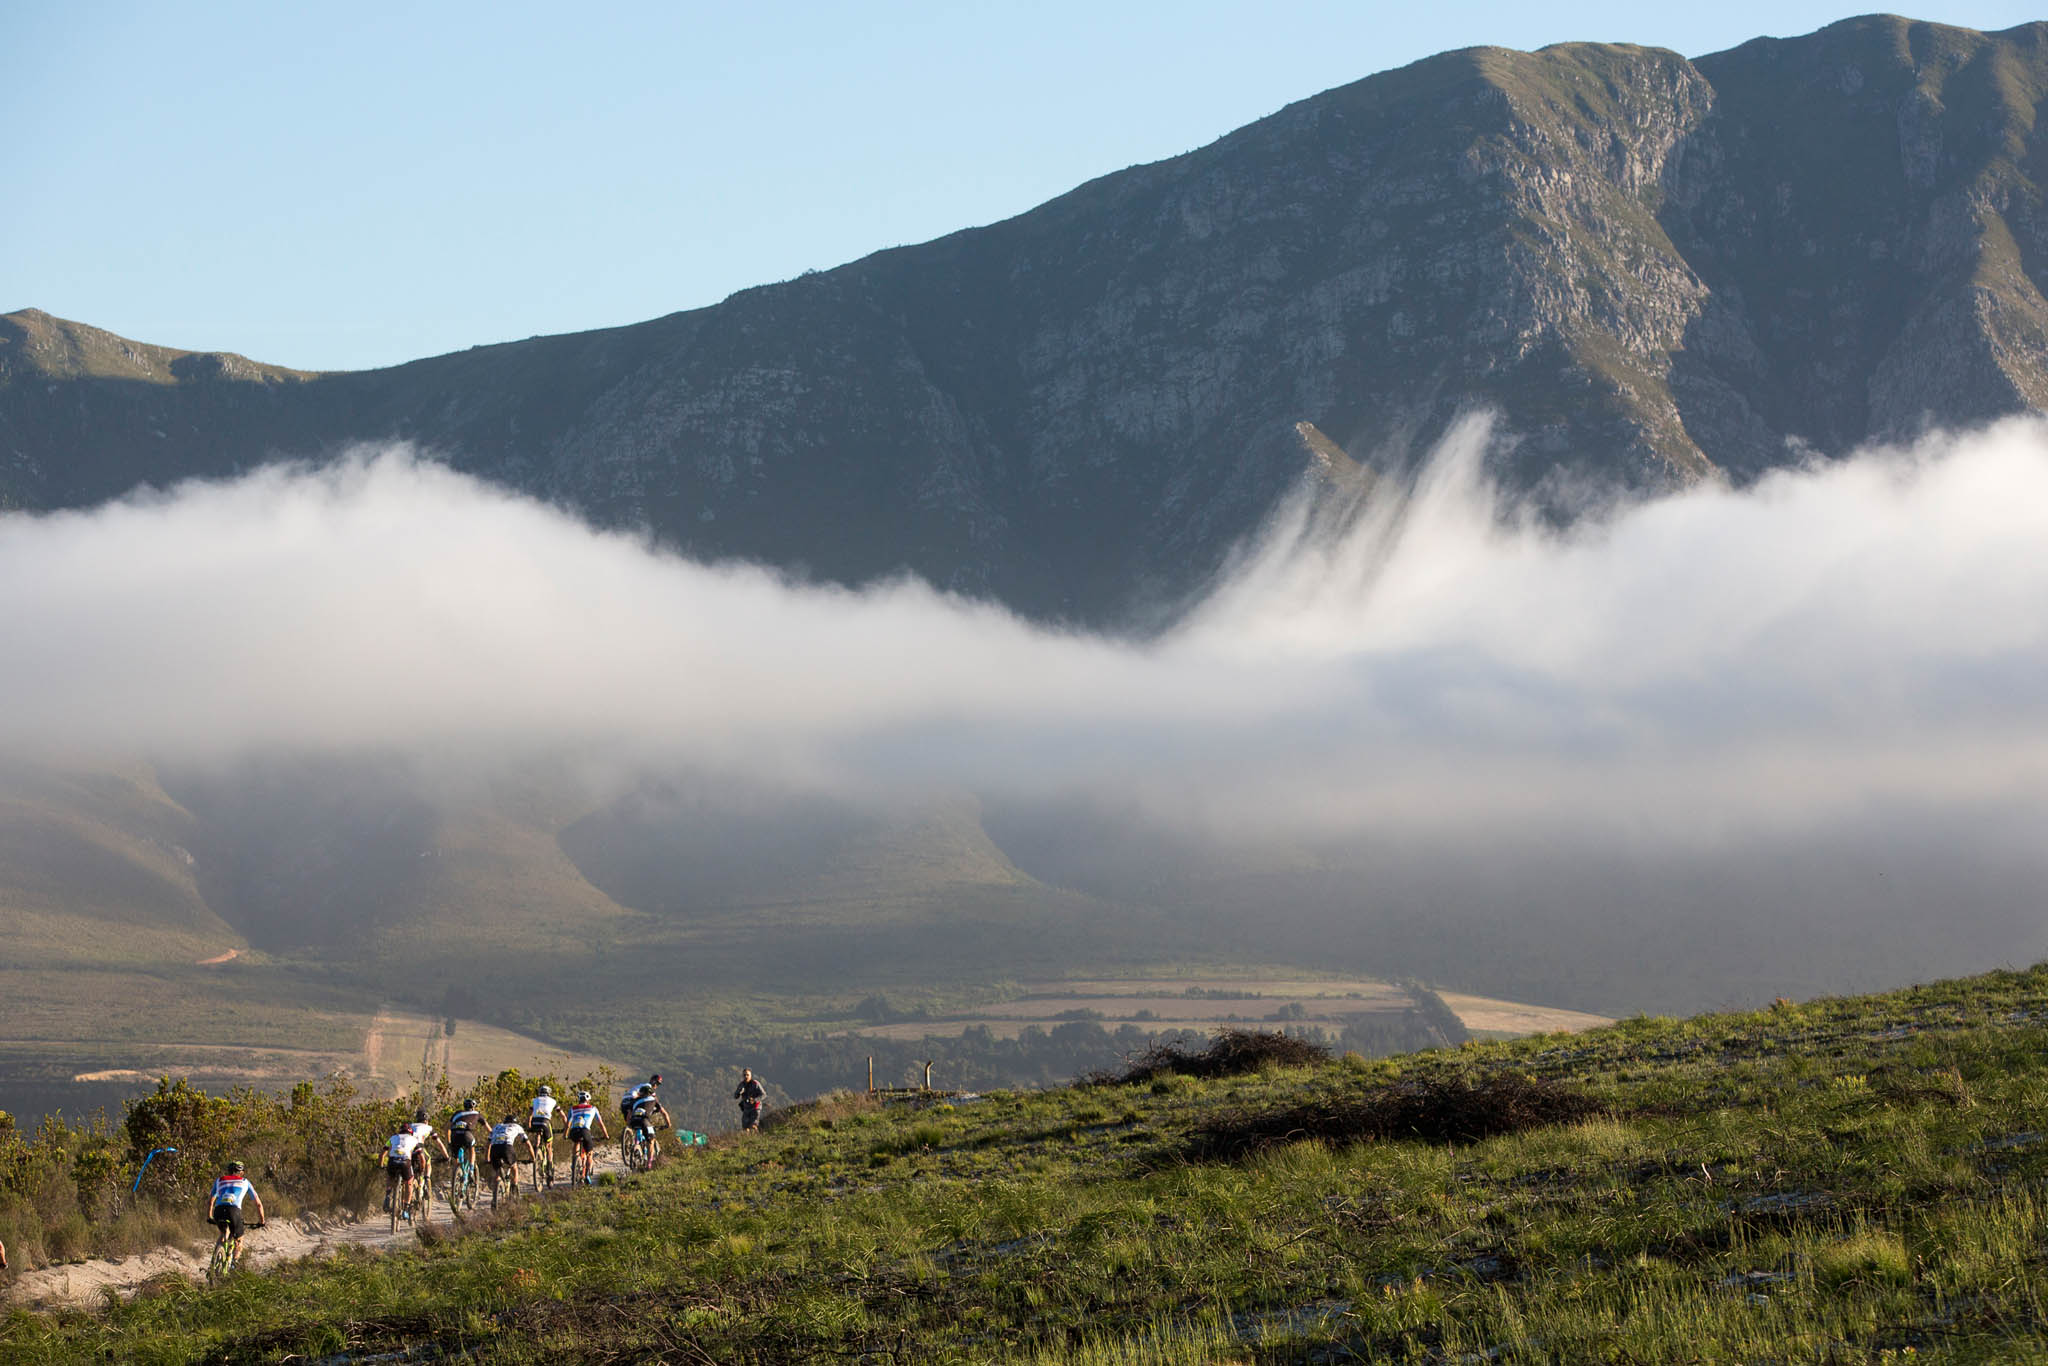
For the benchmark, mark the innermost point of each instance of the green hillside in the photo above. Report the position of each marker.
(1851, 1180)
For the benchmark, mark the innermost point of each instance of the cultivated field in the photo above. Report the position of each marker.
(1202, 1004)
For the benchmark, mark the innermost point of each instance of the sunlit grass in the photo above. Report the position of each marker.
(1840, 1181)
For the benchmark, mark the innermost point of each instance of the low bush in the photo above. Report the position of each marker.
(1231, 1053)
(1450, 1109)
(825, 1112)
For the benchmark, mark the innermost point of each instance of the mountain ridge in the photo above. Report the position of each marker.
(1655, 269)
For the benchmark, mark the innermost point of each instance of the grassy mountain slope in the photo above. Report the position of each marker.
(95, 870)
(1852, 1180)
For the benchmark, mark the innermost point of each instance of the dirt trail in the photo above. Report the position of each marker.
(230, 956)
(87, 1284)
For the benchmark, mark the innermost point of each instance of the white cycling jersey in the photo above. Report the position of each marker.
(403, 1144)
(507, 1134)
(543, 1110)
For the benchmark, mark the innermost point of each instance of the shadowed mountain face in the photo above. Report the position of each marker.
(1652, 267)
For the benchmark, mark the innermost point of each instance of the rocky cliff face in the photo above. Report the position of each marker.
(1653, 268)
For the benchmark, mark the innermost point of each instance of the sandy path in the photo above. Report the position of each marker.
(87, 1284)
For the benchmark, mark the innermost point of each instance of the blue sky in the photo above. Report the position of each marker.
(346, 186)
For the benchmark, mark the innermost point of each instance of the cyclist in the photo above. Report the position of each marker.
(400, 1171)
(229, 1191)
(582, 1115)
(422, 1160)
(505, 1162)
(540, 1123)
(463, 1131)
(646, 1107)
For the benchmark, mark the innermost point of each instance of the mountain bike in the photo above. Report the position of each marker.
(420, 1211)
(544, 1165)
(462, 1185)
(507, 1180)
(227, 1250)
(632, 1151)
(581, 1162)
(641, 1153)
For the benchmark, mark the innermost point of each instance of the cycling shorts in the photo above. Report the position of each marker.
(501, 1155)
(541, 1131)
(461, 1139)
(580, 1136)
(228, 1216)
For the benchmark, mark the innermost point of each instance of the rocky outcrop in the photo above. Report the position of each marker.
(1655, 269)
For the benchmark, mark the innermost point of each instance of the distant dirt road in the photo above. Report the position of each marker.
(227, 957)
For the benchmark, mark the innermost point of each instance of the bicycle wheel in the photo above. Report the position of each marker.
(394, 1200)
(222, 1261)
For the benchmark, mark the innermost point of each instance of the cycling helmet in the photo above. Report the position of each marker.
(469, 1104)
(645, 1090)
(583, 1097)
(236, 1169)
(654, 1080)
(511, 1119)
(544, 1091)
(419, 1114)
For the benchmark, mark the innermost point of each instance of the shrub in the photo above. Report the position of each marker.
(1445, 1109)
(1230, 1053)
(823, 1112)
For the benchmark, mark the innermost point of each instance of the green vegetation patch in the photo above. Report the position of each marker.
(1847, 1181)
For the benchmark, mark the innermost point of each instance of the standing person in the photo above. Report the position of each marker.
(751, 1095)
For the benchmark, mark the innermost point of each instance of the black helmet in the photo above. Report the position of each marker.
(583, 1097)
(419, 1114)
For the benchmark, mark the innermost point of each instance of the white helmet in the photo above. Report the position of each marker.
(544, 1091)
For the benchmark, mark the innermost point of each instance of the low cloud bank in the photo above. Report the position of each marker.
(1869, 631)
(1833, 654)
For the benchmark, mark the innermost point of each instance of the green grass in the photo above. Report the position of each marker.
(1848, 1181)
